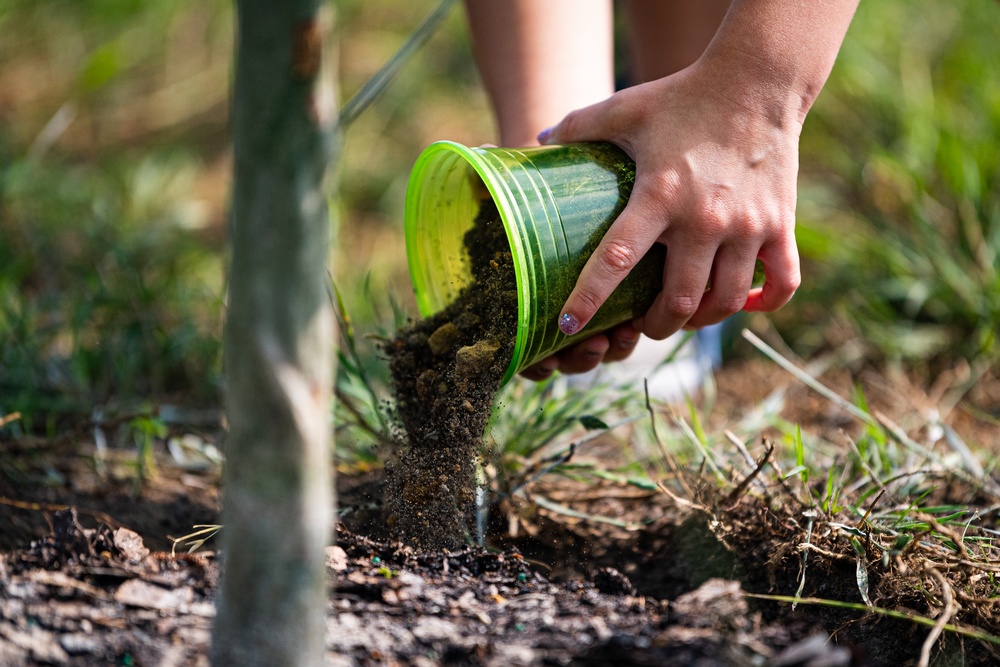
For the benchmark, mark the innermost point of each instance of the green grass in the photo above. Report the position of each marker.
(901, 193)
(106, 297)
(107, 293)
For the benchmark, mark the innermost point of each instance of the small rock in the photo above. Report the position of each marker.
(40, 644)
(444, 339)
(610, 581)
(474, 359)
(430, 628)
(79, 643)
(814, 650)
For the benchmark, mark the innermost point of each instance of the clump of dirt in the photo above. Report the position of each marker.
(446, 371)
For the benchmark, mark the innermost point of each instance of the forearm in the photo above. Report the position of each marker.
(776, 55)
(540, 59)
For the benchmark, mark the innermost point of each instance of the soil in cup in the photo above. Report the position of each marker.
(446, 371)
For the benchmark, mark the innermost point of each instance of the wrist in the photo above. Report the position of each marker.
(775, 92)
(774, 56)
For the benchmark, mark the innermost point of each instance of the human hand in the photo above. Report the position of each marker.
(716, 166)
(613, 345)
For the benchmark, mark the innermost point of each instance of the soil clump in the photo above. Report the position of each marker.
(446, 371)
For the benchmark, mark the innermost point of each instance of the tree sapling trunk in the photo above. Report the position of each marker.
(278, 498)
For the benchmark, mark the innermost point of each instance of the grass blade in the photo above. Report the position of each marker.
(376, 85)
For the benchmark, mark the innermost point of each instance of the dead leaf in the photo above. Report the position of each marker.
(336, 559)
(130, 545)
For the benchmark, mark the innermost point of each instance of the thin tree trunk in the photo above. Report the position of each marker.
(278, 488)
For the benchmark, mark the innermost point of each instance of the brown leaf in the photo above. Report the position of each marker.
(130, 545)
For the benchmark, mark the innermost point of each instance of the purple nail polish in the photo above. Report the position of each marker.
(544, 135)
(568, 324)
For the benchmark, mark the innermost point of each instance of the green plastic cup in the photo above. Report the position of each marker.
(556, 203)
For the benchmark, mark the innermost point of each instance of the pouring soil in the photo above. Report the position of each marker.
(446, 371)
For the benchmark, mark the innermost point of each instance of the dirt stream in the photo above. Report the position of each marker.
(446, 370)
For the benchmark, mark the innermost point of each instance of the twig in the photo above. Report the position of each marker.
(881, 611)
(683, 502)
(868, 513)
(740, 447)
(963, 551)
(542, 501)
(48, 507)
(809, 380)
(829, 554)
(12, 417)
(664, 452)
(942, 620)
(734, 496)
(552, 461)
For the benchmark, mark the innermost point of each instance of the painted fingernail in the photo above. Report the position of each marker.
(544, 135)
(568, 324)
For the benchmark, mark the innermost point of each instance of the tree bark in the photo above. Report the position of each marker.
(278, 490)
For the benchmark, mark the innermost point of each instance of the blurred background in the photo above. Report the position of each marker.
(114, 179)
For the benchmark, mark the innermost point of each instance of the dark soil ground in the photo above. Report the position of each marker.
(78, 587)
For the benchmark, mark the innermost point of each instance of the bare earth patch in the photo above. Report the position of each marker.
(686, 585)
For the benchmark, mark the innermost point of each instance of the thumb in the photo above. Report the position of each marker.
(594, 123)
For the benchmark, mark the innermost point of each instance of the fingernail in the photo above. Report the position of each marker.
(568, 324)
(625, 343)
(543, 136)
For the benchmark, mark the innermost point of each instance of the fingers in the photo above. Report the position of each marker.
(543, 370)
(584, 356)
(613, 345)
(688, 267)
(622, 341)
(783, 276)
(624, 244)
(597, 122)
(732, 276)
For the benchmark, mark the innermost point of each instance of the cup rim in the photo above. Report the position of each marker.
(502, 197)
